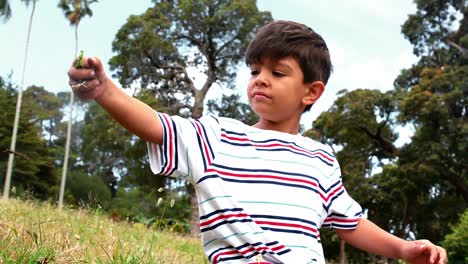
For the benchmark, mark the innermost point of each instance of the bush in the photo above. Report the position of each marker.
(88, 190)
(456, 243)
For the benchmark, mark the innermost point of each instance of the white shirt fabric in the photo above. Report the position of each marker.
(262, 194)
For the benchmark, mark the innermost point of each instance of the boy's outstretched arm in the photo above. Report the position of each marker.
(90, 81)
(371, 238)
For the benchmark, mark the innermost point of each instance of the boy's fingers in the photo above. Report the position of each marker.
(442, 255)
(80, 74)
(433, 254)
(84, 89)
(93, 62)
(87, 62)
(437, 255)
(88, 92)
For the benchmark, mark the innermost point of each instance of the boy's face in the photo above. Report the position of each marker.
(277, 91)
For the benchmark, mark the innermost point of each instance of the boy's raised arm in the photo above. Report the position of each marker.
(371, 238)
(90, 81)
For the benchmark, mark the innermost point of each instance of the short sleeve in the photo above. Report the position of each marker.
(342, 211)
(188, 146)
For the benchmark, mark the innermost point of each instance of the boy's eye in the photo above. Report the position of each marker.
(253, 72)
(278, 74)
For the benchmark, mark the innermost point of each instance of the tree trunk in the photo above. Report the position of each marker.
(69, 126)
(342, 252)
(405, 218)
(195, 215)
(11, 156)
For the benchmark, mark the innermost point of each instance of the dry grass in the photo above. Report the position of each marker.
(33, 232)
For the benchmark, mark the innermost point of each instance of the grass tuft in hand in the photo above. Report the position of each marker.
(79, 63)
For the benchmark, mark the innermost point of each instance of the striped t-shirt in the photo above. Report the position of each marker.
(262, 194)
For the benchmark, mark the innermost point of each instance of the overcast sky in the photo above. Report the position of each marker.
(364, 38)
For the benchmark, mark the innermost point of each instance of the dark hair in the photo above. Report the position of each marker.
(280, 39)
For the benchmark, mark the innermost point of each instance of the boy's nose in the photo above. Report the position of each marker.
(261, 79)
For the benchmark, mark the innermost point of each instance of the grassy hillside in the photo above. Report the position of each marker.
(33, 232)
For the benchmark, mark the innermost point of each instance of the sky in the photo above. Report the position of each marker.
(364, 38)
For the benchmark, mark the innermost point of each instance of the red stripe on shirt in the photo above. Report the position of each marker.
(205, 147)
(294, 148)
(340, 220)
(326, 199)
(170, 144)
(287, 225)
(259, 176)
(222, 217)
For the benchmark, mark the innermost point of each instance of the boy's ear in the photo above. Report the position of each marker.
(314, 91)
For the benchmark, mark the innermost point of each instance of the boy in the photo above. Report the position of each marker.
(263, 191)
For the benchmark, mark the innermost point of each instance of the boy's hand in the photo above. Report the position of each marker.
(424, 252)
(88, 80)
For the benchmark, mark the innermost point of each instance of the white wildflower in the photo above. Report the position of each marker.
(160, 200)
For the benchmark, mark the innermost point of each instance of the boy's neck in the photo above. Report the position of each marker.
(290, 126)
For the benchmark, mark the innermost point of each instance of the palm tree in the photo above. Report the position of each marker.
(5, 12)
(5, 9)
(74, 11)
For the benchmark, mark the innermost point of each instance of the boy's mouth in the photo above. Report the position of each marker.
(259, 94)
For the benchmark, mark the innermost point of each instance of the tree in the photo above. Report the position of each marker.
(456, 242)
(34, 168)
(161, 49)
(103, 151)
(74, 11)
(138, 174)
(433, 92)
(5, 10)
(46, 110)
(88, 190)
(360, 128)
(428, 175)
(433, 100)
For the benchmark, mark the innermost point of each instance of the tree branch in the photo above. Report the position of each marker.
(195, 42)
(386, 144)
(463, 51)
(178, 68)
(225, 45)
(9, 151)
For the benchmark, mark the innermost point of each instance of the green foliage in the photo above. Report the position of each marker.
(103, 152)
(157, 49)
(132, 203)
(456, 243)
(45, 107)
(430, 26)
(428, 175)
(76, 10)
(5, 8)
(34, 169)
(433, 95)
(137, 172)
(363, 120)
(359, 127)
(88, 190)
(170, 225)
(140, 205)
